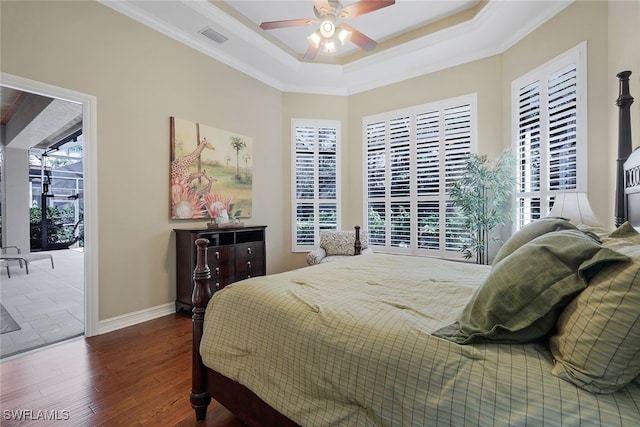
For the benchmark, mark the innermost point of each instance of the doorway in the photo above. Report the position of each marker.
(81, 244)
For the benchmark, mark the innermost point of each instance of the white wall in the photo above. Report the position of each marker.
(15, 209)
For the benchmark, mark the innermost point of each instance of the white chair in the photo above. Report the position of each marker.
(337, 244)
(13, 253)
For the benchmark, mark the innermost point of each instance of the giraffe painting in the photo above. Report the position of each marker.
(194, 192)
(180, 167)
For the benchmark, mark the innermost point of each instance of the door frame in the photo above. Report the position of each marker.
(90, 176)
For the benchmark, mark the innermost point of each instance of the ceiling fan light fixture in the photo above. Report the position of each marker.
(343, 34)
(329, 45)
(327, 28)
(327, 12)
(314, 39)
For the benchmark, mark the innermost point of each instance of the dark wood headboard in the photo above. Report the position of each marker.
(632, 188)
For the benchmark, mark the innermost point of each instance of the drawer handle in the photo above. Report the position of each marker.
(217, 255)
(217, 270)
(217, 286)
(249, 251)
(249, 264)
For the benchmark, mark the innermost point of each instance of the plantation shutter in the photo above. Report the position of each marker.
(457, 149)
(400, 191)
(412, 156)
(428, 183)
(549, 136)
(315, 169)
(562, 130)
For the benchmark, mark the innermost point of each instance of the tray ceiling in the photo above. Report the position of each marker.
(415, 37)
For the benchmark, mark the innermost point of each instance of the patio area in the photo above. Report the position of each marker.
(43, 307)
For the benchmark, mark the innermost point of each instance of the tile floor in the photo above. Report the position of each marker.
(47, 304)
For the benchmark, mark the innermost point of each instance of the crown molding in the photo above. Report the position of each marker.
(497, 26)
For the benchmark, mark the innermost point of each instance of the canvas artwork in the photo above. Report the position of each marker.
(211, 173)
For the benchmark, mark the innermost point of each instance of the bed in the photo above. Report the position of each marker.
(392, 340)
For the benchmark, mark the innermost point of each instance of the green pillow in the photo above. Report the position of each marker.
(625, 230)
(524, 293)
(531, 231)
(597, 342)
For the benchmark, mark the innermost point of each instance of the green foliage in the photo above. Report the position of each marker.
(326, 218)
(56, 232)
(400, 224)
(400, 227)
(376, 227)
(482, 197)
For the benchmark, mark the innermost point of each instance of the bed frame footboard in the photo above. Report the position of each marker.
(199, 396)
(207, 383)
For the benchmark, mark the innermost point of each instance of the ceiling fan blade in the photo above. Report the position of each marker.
(322, 6)
(360, 39)
(311, 53)
(287, 23)
(362, 7)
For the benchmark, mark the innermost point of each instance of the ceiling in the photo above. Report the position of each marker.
(415, 37)
(30, 120)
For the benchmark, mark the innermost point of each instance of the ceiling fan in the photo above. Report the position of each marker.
(327, 13)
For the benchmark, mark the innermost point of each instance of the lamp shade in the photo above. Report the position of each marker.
(314, 39)
(329, 45)
(575, 207)
(343, 34)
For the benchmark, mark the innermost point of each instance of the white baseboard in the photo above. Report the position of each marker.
(130, 319)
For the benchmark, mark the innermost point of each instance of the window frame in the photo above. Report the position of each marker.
(414, 199)
(575, 56)
(316, 124)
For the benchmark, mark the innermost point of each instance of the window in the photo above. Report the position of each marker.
(412, 156)
(550, 134)
(316, 180)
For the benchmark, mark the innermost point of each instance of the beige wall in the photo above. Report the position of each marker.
(612, 32)
(611, 48)
(624, 54)
(318, 107)
(580, 21)
(140, 78)
(482, 77)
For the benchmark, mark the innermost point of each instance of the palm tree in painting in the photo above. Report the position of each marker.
(238, 145)
(246, 159)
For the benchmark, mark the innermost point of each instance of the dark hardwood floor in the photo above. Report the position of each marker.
(140, 375)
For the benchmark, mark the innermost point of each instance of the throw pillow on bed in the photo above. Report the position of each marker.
(524, 292)
(597, 343)
(531, 231)
(625, 230)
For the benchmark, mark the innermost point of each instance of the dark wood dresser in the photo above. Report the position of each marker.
(234, 254)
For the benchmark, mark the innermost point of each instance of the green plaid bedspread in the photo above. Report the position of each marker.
(349, 343)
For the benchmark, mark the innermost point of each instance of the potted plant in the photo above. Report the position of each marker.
(482, 197)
